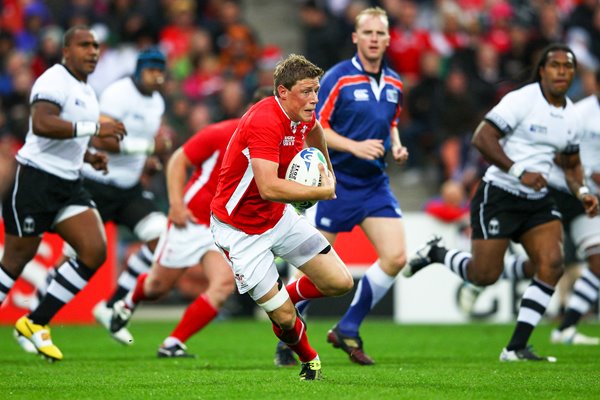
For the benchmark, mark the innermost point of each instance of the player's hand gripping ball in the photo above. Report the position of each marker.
(304, 169)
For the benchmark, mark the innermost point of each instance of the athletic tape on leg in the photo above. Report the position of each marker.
(276, 301)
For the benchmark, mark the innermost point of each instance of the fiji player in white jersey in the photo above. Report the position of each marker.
(520, 137)
(47, 194)
(584, 232)
(136, 102)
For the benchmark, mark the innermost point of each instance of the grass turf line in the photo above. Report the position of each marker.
(235, 361)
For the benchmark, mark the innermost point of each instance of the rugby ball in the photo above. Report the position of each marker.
(304, 169)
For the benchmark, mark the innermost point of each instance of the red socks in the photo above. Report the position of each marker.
(138, 292)
(303, 289)
(196, 316)
(297, 340)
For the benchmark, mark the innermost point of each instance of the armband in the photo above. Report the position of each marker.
(133, 145)
(582, 191)
(85, 128)
(516, 170)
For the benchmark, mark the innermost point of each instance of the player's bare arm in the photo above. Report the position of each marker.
(399, 152)
(571, 165)
(487, 140)
(46, 122)
(273, 188)
(176, 175)
(369, 149)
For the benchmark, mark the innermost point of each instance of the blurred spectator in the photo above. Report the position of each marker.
(49, 51)
(451, 205)
(270, 56)
(516, 64)
(237, 45)
(450, 35)
(201, 46)
(176, 36)
(200, 116)
(457, 121)
(36, 16)
(422, 109)
(500, 15)
(321, 34)
(205, 79)
(232, 101)
(408, 43)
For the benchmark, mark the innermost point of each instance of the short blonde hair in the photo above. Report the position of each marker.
(371, 12)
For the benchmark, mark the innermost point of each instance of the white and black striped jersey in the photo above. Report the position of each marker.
(534, 130)
(77, 102)
(141, 116)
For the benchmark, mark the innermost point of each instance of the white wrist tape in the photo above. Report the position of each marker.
(516, 170)
(133, 145)
(276, 301)
(85, 128)
(583, 190)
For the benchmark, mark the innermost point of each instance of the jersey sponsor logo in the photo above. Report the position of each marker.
(288, 140)
(494, 227)
(555, 115)
(361, 95)
(391, 95)
(79, 103)
(538, 129)
(28, 224)
(138, 116)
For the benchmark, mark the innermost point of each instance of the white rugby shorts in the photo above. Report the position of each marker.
(252, 257)
(183, 247)
(585, 233)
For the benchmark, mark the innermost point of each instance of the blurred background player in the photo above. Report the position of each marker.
(187, 240)
(119, 196)
(250, 222)
(520, 137)
(48, 195)
(583, 231)
(359, 103)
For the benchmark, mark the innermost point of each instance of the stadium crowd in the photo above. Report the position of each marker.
(455, 57)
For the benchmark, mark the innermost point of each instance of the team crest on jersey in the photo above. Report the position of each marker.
(28, 224)
(294, 126)
(391, 95)
(494, 227)
(361, 95)
(538, 129)
(242, 280)
(288, 140)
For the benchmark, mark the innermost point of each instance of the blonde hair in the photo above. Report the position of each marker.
(371, 12)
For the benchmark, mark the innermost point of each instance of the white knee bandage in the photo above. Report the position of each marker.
(276, 301)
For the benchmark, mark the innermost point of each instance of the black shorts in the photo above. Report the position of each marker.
(36, 197)
(125, 207)
(569, 206)
(497, 214)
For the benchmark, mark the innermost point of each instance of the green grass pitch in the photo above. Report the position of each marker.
(235, 361)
